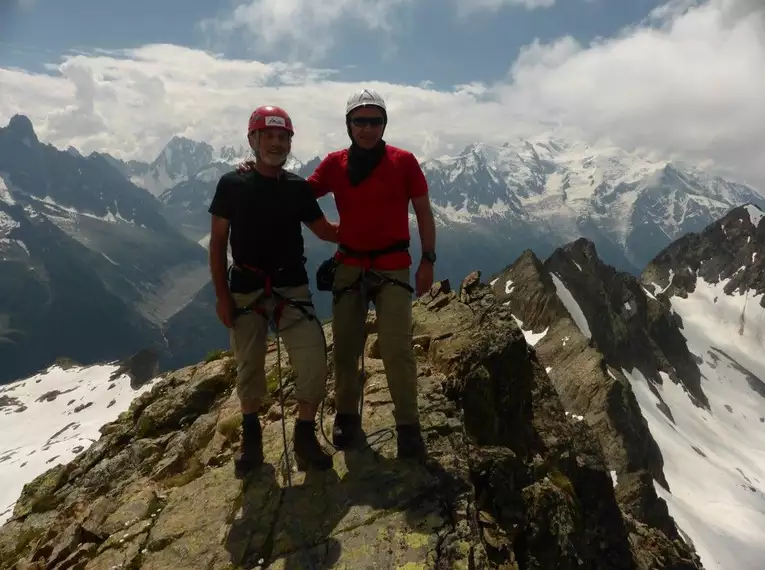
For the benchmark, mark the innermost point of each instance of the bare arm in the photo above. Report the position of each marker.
(425, 222)
(320, 179)
(324, 229)
(218, 248)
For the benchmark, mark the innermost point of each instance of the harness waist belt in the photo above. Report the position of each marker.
(396, 247)
(246, 279)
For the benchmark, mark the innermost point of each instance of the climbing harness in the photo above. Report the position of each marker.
(269, 292)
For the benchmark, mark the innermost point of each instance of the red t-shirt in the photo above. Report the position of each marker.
(375, 214)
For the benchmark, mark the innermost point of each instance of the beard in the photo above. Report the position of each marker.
(274, 159)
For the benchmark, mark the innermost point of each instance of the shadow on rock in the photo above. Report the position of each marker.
(370, 511)
(286, 527)
(250, 533)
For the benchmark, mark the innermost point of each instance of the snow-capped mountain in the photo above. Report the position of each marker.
(186, 203)
(493, 203)
(628, 206)
(669, 371)
(89, 267)
(51, 417)
(183, 160)
(537, 193)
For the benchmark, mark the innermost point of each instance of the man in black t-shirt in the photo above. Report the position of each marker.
(259, 213)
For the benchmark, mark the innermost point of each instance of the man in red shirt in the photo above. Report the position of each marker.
(373, 184)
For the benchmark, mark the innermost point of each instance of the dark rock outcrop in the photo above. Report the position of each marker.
(141, 367)
(512, 481)
(628, 325)
(730, 248)
(626, 330)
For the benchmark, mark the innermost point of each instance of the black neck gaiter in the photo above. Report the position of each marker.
(361, 162)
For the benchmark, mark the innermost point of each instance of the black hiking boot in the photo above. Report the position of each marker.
(250, 455)
(308, 450)
(410, 443)
(346, 430)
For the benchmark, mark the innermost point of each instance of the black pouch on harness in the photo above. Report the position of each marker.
(325, 275)
(243, 282)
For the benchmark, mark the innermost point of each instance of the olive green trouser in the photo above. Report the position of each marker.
(303, 340)
(393, 305)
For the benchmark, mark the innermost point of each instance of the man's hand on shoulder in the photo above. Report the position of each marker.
(245, 166)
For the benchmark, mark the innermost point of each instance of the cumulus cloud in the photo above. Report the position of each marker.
(686, 84)
(301, 27)
(466, 7)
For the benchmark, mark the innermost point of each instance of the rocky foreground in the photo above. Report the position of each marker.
(513, 480)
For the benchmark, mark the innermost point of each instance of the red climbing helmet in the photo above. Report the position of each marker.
(269, 116)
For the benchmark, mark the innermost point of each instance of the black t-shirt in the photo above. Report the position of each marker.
(266, 215)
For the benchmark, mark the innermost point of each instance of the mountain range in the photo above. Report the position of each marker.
(576, 416)
(103, 257)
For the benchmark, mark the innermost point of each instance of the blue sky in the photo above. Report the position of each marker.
(433, 41)
(668, 79)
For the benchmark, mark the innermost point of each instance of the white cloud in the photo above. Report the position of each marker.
(466, 7)
(690, 85)
(300, 28)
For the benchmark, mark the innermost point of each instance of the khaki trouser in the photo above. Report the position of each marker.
(393, 305)
(303, 340)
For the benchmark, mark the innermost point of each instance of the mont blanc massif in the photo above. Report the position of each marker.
(591, 370)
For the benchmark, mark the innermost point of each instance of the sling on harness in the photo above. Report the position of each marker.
(369, 256)
(264, 279)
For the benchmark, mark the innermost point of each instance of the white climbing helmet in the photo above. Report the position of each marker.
(362, 98)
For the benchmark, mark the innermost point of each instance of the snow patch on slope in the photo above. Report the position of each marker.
(56, 213)
(755, 214)
(460, 214)
(571, 306)
(733, 323)
(531, 337)
(714, 461)
(5, 193)
(52, 417)
(7, 224)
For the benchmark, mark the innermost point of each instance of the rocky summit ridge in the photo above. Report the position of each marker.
(514, 479)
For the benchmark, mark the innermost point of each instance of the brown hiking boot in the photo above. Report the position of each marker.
(250, 454)
(410, 443)
(346, 430)
(309, 453)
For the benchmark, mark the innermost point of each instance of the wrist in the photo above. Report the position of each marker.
(222, 294)
(428, 256)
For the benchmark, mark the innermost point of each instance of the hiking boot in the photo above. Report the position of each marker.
(410, 443)
(346, 430)
(308, 450)
(250, 454)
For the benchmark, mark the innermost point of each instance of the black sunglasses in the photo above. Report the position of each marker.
(364, 121)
